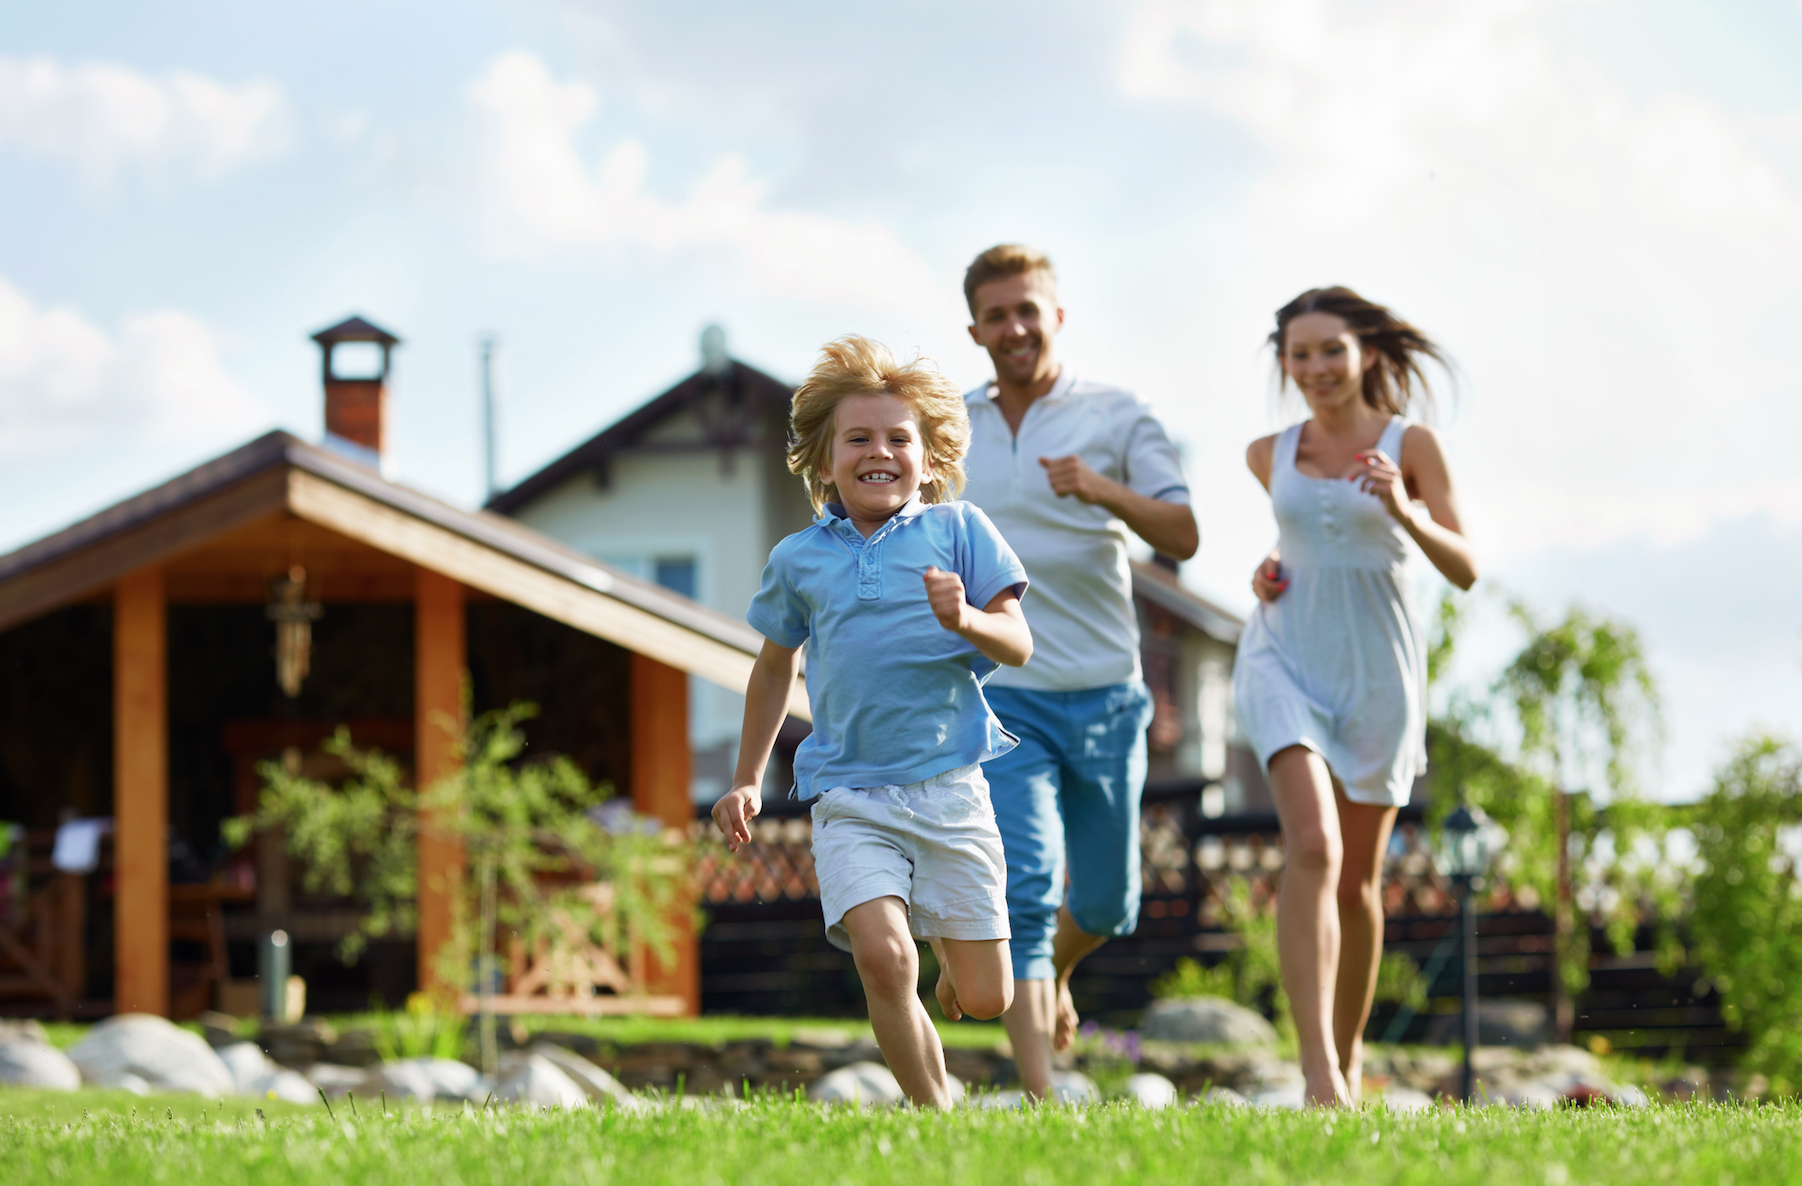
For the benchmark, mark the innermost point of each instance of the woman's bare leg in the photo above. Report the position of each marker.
(1307, 915)
(1364, 829)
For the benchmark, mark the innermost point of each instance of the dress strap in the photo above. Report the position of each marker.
(1288, 443)
(1391, 440)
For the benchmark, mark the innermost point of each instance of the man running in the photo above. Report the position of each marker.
(1064, 467)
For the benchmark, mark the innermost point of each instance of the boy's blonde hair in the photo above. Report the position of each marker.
(854, 365)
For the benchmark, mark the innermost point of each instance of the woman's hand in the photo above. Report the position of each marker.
(1378, 475)
(1268, 581)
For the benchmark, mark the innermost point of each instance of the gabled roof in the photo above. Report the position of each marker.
(280, 473)
(355, 329)
(749, 399)
(1161, 588)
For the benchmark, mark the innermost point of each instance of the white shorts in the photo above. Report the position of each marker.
(933, 844)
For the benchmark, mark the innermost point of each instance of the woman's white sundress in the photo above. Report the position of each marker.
(1337, 663)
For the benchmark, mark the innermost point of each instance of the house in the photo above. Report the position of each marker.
(692, 490)
(152, 654)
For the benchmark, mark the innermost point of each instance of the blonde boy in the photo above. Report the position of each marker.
(907, 601)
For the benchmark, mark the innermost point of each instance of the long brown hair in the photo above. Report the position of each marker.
(1389, 385)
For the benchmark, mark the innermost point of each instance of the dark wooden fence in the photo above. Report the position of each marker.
(764, 950)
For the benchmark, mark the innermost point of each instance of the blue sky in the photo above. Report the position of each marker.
(1596, 206)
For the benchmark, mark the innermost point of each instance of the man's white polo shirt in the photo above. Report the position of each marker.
(1084, 632)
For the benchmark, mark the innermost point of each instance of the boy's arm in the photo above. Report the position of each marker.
(998, 630)
(766, 703)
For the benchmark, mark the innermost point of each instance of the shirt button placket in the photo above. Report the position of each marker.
(869, 573)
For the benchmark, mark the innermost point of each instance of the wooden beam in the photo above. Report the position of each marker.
(439, 663)
(662, 774)
(506, 577)
(90, 569)
(141, 794)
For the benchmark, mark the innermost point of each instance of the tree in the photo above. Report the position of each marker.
(1585, 699)
(533, 831)
(1747, 926)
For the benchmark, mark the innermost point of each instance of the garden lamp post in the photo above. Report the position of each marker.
(1467, 843)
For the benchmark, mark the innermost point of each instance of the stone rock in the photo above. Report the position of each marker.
(537, 1082)
(1284, 1095)
(28, 1028)
(1009, 1099)
(118, 1080)
(431, 1079)
(247, 1064)
(27, 1062)
(1151, 1090)
(1073, 1087)
(1406, 1099)
(279, 1083)
(595, 1083)
(164, 1056)
(1206, 1019)
(862, 1083)
(1499, 1023)
(219, 1029)
(1223, 1096)
(1689, 1083)
(298, 1045)
(336, 1080)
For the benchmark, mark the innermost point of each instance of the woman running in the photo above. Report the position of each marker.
(1331, 675)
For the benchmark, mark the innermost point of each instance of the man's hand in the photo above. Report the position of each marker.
(1072, 475)
(734, 812)
(945, 593)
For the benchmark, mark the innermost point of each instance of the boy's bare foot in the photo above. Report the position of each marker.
(1064, 1031)
(947, 994)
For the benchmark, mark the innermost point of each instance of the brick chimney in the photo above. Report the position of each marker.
(356, 406)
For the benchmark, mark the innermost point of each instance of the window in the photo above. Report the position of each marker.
(677, 574)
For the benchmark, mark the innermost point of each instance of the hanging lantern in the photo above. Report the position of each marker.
(293, 616)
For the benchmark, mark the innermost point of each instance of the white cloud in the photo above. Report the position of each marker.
(64, 382)
(1616, 274)
(105, 117)
(545, 189)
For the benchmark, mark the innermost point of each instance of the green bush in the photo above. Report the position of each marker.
(1252, 975)
(1747, 925)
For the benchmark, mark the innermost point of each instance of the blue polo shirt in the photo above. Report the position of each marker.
(896, 697)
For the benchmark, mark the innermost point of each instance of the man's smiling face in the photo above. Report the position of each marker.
(878, 456)
(1017, 319)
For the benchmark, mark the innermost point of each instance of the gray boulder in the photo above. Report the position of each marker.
(599, 1086)
(247, 1064)
(431, 1079)
(336, 1080)
(1206, 1019)
(121, 1081)
(1151, 1091)
(537, 1082)
(1073, 1087)
(1406, 1099)
(25, 1061)
(282, 1084)
(1501, 1022)
(865, 1083)
(161, 1055)
(1222, 1096)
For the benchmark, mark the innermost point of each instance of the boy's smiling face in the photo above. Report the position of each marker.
(878, 459)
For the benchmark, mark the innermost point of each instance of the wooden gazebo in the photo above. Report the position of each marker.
(205, 550)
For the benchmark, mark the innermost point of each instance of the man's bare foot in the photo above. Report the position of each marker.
(1064, 1029)
(947, 994)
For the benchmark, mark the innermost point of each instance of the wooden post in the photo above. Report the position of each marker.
(141, 794)
(662, 770)
(438, 667)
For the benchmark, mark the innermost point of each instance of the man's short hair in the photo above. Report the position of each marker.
(1002, 261)
(854, 365)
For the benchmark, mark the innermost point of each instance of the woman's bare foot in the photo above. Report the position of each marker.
(1353, 1074)
(1327, 1090)
(1064, 1030)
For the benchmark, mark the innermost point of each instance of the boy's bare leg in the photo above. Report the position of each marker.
(976, 977)
(889, 965)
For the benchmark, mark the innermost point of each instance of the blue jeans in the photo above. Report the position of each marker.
(1067, 797)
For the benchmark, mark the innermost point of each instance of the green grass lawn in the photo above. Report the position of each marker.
(45, 1137)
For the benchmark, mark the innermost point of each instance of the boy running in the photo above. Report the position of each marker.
(907, 601)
